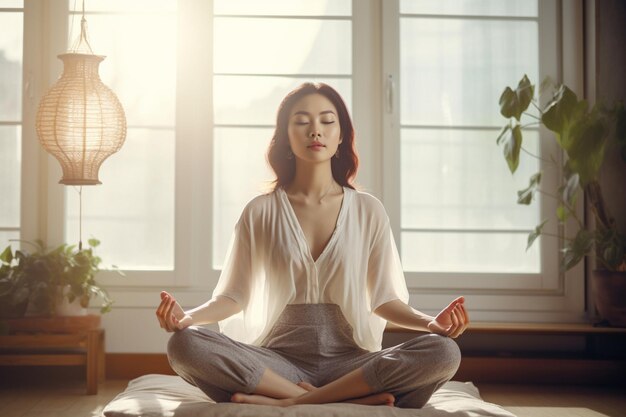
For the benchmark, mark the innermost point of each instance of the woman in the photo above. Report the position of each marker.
(311, 278)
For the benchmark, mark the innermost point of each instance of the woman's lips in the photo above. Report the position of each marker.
(316, 146)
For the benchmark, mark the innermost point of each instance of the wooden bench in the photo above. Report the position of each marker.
(58, 341)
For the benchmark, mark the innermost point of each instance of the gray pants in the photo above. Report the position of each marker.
(312, 343)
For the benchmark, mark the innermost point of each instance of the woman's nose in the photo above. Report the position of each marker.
(315, 134)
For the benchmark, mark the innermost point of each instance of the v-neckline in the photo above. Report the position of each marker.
(297, 228)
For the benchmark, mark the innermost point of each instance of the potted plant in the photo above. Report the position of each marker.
(582, 134)
(47, 280)
(14, 288)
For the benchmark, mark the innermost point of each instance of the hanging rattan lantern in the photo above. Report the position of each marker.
(80, 121)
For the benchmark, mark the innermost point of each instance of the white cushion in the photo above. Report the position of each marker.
(166, 395)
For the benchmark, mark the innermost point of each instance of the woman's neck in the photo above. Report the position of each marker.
(312, 181)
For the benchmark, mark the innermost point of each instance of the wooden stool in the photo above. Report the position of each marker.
(59, 341)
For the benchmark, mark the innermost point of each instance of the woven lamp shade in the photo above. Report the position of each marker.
(80, 121)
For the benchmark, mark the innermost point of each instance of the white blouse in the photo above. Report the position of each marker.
(269, 265)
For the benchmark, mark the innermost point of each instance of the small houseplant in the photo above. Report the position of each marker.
(582, 134)
(41, 279)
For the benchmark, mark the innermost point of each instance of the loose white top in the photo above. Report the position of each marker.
(269, 265)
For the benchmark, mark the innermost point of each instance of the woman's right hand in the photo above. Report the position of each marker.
(171, 316)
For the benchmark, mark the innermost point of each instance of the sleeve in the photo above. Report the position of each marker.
(235, 279)
(385, 277)
(243, 279)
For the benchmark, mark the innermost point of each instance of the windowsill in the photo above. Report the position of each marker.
(527, 328)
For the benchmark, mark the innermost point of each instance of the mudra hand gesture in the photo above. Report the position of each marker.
(452, 320)
(170, 314)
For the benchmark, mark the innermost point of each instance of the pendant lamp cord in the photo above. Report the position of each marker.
(81, 44)
(80, 218)
(83, 30)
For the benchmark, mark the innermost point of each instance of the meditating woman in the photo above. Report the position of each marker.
(311, 278)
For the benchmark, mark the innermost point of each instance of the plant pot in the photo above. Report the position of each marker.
(64, 307)
(609, 294)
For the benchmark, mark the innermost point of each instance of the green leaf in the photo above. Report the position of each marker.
(561, 113)
(535, 234)
(587, 141)
(562, 213)
(502, 134)
(514, 103)
(93, 242)
(525, 196)
(509, 106)
(512, 145)
(7, 255)
(577, 249)
(525, 93)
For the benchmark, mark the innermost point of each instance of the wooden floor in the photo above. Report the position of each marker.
(557, 401)
(67, 399)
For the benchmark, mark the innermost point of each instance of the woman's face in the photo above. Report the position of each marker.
(314, 131)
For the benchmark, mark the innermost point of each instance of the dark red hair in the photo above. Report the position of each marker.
(343, 168)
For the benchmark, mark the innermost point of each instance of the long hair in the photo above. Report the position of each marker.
(343, 168)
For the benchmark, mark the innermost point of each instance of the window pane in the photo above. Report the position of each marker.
(6, 237)
(283, 7)
(132, 212)
(453, 71)
(282, 46)
(141, 63)
(469, 252)
(458, 179)
(10, 175)
(241, 173)
(527, 8)
(11, 45)
(254, 100)
(142, 6)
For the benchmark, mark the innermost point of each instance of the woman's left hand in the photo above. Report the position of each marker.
(452, 321)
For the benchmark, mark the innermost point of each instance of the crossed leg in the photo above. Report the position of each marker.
(187, 346)
(275, 390)
(411, 372)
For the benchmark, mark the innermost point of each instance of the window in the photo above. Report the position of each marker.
(458, 222)
(11, 45)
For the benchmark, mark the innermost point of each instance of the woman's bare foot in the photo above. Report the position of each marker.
(260, 400)
(306, 386)
(384, 398)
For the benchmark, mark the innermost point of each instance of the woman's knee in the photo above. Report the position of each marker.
(440, 359)
(450, 358)
(179, 345)
(184, 344)
(440, 352)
